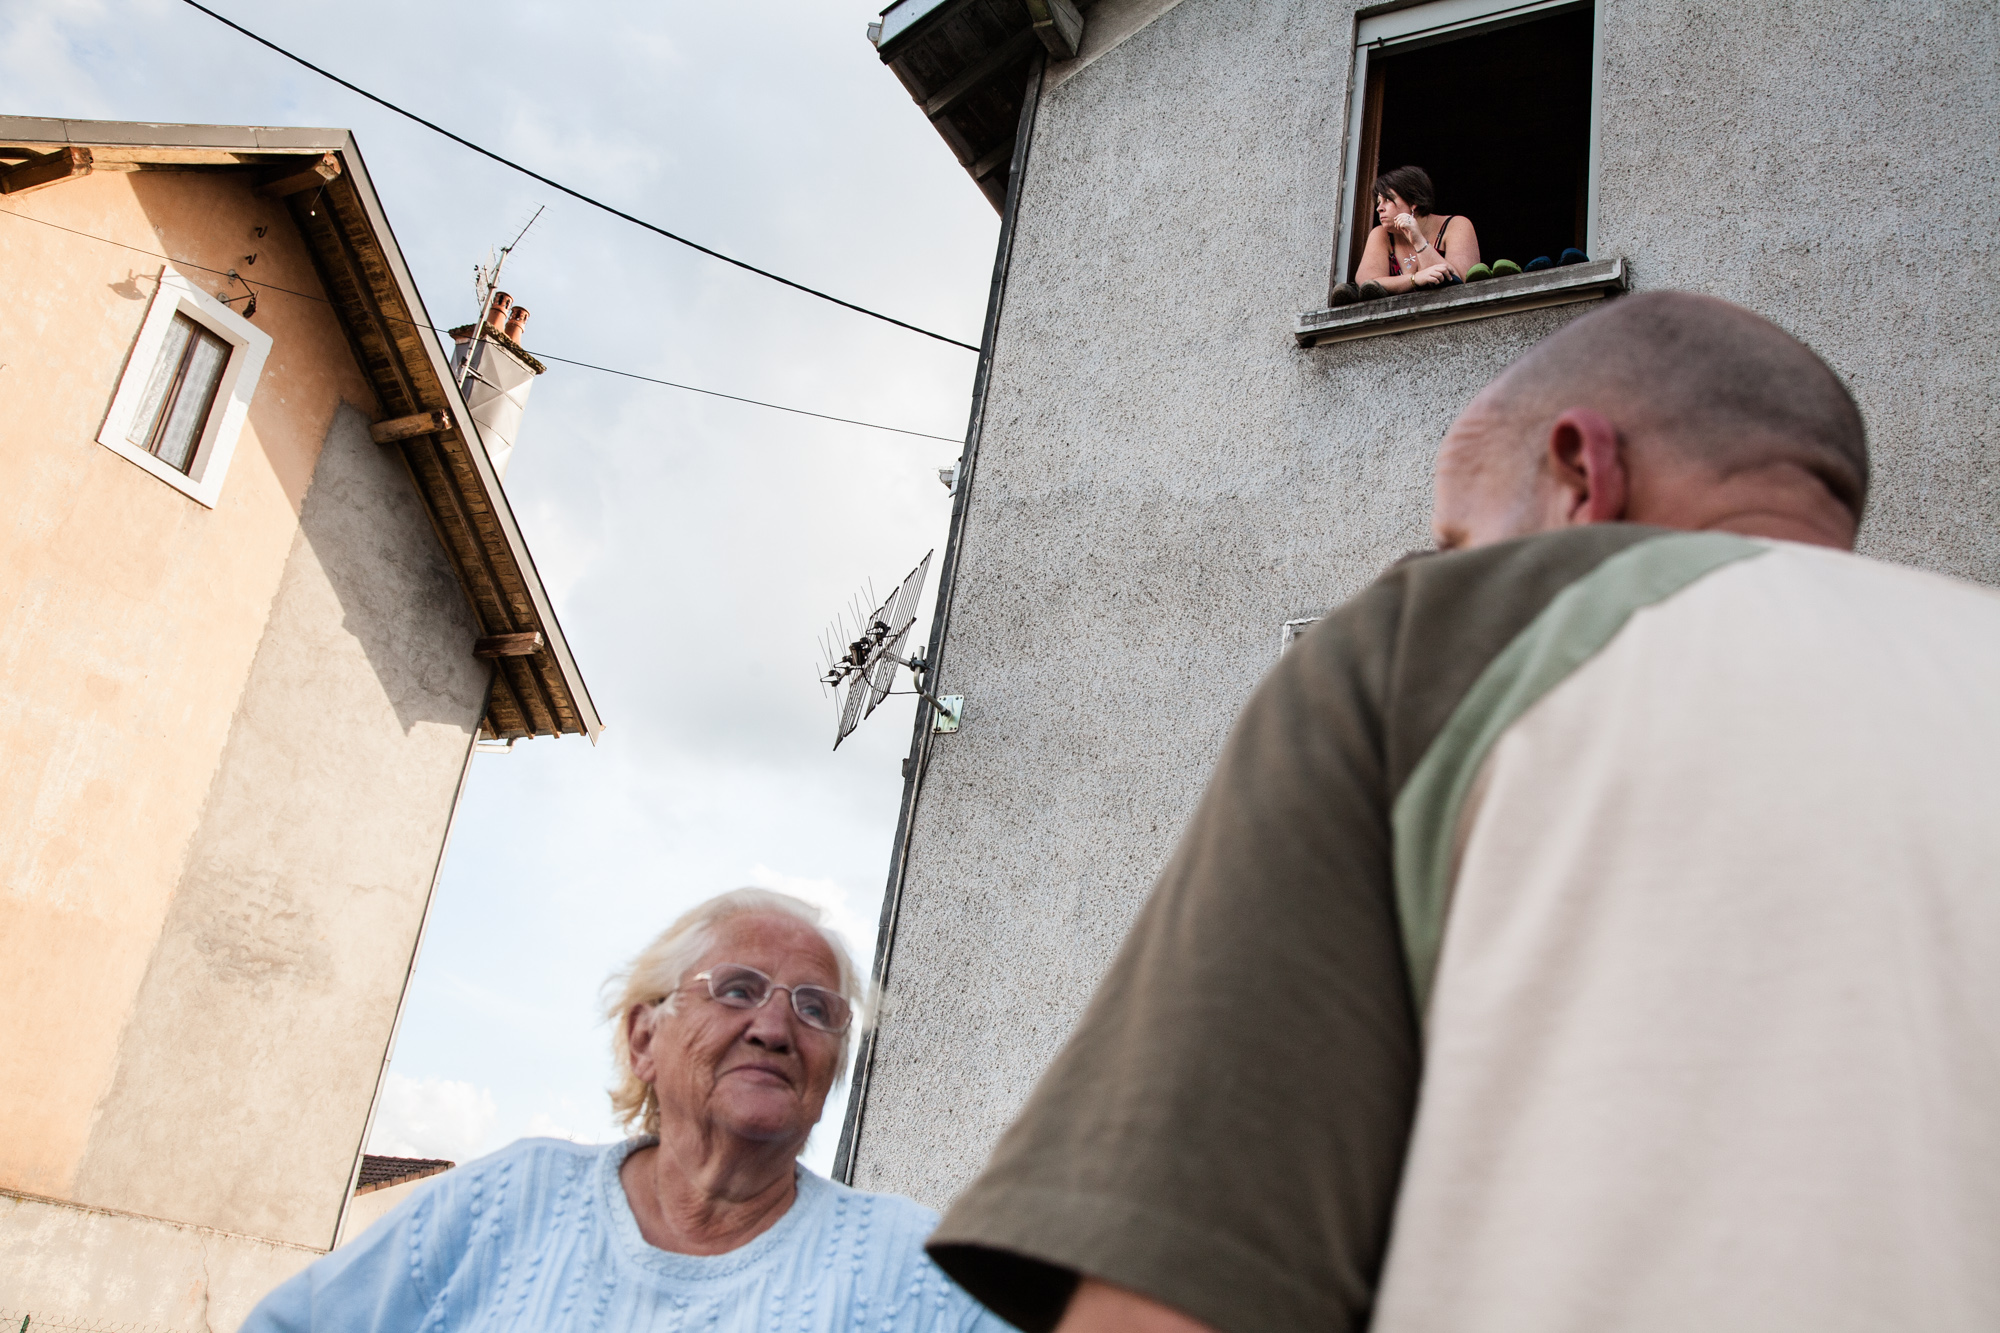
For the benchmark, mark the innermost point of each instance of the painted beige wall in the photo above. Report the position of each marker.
(131, 615)
(69, 1267)
(251, 1055)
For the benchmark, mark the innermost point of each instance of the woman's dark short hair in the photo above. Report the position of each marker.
(1413, 184)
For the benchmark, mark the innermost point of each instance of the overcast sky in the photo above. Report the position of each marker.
(694, 547)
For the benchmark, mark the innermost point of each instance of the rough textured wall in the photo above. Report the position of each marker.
(1833, 167)
(129, 613)
(1165, 478)
(248, 1064)
(63, 1267)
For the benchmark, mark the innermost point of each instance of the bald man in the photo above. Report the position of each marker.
(1595, 925)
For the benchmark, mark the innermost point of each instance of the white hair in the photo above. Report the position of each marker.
(657, 974)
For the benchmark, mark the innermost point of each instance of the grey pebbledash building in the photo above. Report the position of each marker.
(1176, 448)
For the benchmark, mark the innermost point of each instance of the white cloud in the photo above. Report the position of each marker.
(568, 541)
(827, 895)
(541, 1125)
(433, 1117)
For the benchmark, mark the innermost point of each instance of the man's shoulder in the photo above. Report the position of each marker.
(1506, 583)
(1557, 558)
(1866, 573)
(1409, 646)
(1915, 628)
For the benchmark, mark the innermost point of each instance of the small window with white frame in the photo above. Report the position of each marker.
(186, 390)
(1496, 102)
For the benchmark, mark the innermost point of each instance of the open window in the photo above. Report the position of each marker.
(1494, 100)
(186, 390)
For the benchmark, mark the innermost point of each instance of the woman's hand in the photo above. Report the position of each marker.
(1430, 277)
(1406, 226)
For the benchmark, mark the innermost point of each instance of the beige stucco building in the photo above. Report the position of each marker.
(247, 652)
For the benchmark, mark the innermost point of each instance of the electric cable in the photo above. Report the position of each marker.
(544, 356)
(716, 393)
(578, 195)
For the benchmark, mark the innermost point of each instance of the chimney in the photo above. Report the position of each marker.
(496, 389)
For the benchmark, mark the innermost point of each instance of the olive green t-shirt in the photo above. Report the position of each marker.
(1570, 931)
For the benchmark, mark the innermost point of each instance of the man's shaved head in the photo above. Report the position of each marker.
(1693, 392)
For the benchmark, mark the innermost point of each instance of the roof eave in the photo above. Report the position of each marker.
(539, 694)
(966, 63)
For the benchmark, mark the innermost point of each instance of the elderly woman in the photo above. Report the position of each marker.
(730, 1029)
(1410, 249)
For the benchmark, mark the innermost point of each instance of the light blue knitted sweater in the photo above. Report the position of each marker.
(539, 1237)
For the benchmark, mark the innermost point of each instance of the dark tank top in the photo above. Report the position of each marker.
(1395, 269)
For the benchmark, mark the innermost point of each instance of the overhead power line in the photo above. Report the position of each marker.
(578, 195)
(713, 393)
(583, 365)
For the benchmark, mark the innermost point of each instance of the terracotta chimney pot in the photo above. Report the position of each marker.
(517, 321)
(496, 314)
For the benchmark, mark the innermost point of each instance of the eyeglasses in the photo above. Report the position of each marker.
(742, 987)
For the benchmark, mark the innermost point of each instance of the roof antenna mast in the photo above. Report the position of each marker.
(486, 281)
(867, 669)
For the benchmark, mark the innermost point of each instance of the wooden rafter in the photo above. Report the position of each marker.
(508, 645)
(46, 169)
(402, 428)
(314, 177)
(527, 696)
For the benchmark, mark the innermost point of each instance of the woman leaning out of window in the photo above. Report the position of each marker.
(1412, 249)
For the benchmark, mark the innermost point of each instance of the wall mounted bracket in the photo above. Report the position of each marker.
(950, 708)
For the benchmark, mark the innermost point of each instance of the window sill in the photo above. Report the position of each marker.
(1478, 300)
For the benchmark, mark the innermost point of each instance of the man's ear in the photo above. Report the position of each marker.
(1588, 466)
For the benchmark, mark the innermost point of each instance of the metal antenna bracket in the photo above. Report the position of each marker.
(950, 708)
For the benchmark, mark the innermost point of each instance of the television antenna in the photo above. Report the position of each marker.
(486, 281)
(861, 671)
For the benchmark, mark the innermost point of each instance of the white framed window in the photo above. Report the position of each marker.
(185, 393)
(1498, 101)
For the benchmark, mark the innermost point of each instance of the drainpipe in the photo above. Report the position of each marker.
(918, 762)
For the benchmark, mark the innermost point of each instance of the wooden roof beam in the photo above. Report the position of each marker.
(402, 428)
(998, 157)
(508, 645)
(427, 456)
(294, 182)
(1059, 25)
(46, 169)
(999, 58)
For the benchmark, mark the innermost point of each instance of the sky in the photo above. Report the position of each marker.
(694, 548)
